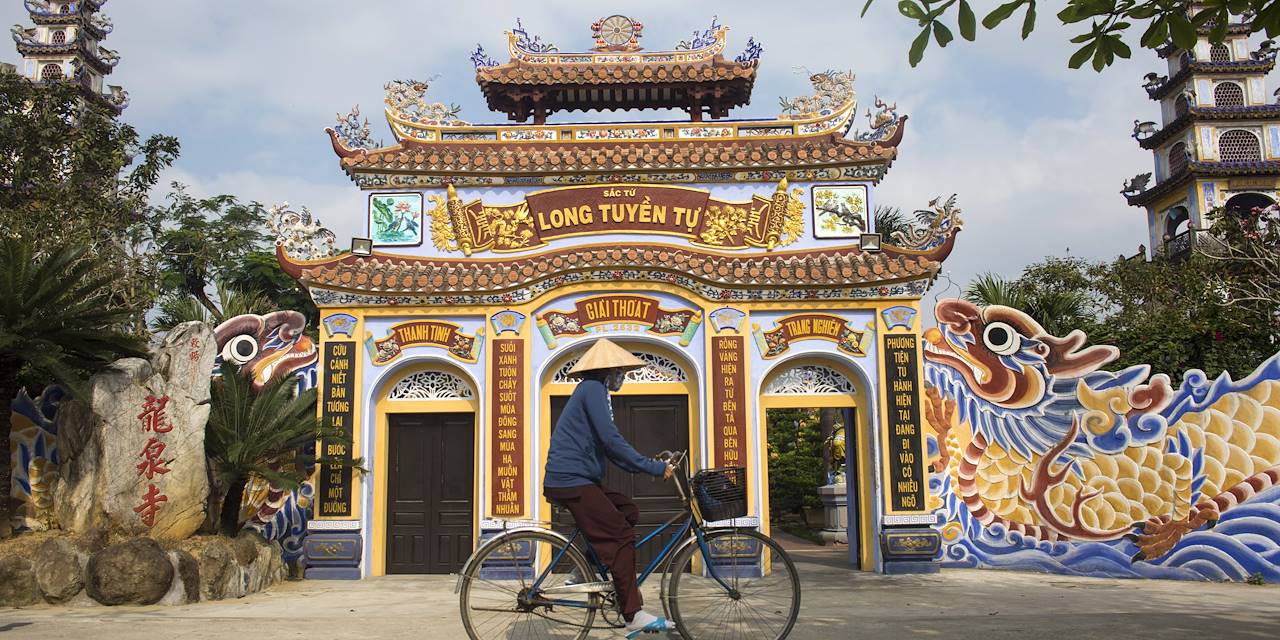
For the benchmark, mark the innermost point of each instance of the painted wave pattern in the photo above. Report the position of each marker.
(1243, 544)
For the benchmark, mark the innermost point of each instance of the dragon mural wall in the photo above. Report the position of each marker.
(1043, 460)
(268, 347)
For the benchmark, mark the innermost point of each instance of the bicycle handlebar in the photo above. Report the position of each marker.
(677, 459)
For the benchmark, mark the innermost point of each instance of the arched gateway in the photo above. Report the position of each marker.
(737, 257)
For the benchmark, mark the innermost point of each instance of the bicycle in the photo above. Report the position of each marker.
(728, 581)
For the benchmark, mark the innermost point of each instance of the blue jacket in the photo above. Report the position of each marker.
(584, 436)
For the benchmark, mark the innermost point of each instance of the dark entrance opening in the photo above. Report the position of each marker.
(1246, 202)
(429, 491)
(652, 424)
(811, 458)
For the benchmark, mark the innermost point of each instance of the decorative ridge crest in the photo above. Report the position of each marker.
(407, 101)
(704, 38)
(832, 92)
(298, 236)
(936, 228)
(354, 134)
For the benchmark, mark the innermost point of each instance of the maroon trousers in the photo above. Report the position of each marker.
(608, 519)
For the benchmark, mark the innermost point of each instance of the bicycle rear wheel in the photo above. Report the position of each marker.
(756, 595)
(495, 591)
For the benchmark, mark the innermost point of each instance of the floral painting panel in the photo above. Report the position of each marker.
(840, 211)
(395, 219)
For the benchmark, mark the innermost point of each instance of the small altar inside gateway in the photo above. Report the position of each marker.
(738, 258)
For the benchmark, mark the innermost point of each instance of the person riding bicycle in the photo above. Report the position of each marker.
(584, 436)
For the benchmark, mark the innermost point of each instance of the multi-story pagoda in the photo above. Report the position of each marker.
(737, 257)
(66, 45)
(1218, 144)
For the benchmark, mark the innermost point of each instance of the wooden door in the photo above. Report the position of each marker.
(651, 424)
(429, 492)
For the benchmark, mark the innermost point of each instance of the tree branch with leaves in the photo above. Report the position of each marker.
(1108, 22)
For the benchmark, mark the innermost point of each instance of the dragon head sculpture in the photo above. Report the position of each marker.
(268, 347)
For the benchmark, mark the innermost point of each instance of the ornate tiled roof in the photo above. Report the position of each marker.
(539, 79)
(1235, 28)
(626, 156)
(1199, 114)
(1205, 169)
(519, 73)
(812, 269)
(1203, 67)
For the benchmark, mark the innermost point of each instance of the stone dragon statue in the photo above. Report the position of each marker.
(1034, 444)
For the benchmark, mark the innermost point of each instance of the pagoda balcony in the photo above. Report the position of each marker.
(103, 59)
(26, 42)
(44, 13)
(99, 26)
(1235, 28)
(1204, 67)
(1208, 113)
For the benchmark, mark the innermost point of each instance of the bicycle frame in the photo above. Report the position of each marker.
(692, 522)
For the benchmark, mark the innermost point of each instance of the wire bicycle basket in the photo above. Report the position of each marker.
(721, 493)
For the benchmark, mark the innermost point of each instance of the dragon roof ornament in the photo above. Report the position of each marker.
(407, 100)
(301, 237)
(937, 224)
(704, 38)
(524, 42)
(481, 59)
(751, 55)
(355, 134)
(884, 122)
(832, 92)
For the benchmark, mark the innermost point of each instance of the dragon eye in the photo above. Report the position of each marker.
(240, 349)
(1001, 339)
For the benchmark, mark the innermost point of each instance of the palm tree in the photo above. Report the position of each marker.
(232, 302)
(265, 434)
(1058, 311)
(58, 322)
(890, 221)
(990, 289)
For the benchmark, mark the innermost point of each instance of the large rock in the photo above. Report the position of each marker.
(219, 573)
(137, 571)
(59, 571)
(133, 456)
(188, 574)
(17, 582)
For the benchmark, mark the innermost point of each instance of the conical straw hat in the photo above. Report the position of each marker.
(606, 355)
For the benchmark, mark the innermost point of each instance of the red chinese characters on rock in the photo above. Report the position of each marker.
(150, 505)
(153, 420)
(152, 464)
(152, 417)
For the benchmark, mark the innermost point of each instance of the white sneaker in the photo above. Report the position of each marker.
(645, 622)
(575, 577)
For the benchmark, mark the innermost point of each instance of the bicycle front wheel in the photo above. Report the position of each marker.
(747, 587)
(497, 597)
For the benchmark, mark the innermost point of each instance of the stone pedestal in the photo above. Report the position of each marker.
(835, 507)
(910, 549)
(332, 555)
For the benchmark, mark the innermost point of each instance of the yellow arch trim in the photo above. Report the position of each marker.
(859, 400)
(383, 408)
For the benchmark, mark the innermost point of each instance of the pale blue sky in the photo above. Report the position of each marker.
(1037, 152)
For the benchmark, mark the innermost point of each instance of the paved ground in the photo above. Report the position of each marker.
(838, 603)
